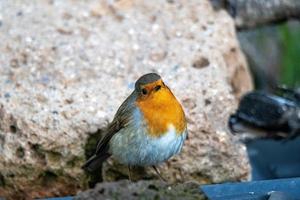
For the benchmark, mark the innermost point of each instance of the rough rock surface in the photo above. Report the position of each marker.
(147, 190)
(66, 66)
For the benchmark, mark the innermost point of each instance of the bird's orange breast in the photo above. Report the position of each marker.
(160, 110)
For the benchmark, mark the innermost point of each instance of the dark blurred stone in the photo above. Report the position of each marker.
(254, 13)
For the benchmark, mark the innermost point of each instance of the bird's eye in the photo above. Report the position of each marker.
(157, 88)
(144, 91)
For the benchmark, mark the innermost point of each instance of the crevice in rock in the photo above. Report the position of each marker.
(89, 149)
(2, 180)
(53, 156)
(13, 128)
(48, 177)
(135, 194)
(152, 187)
(38, 152)
(200, 63)
(74, 161)
(202, 177)
(114, 173)
(101, 191)
(20, 152)
(2, 142)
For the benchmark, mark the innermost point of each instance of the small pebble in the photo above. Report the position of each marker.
(7, 95)
(54, 112)
(19, 13)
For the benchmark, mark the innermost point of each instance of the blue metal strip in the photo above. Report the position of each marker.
(257, 190)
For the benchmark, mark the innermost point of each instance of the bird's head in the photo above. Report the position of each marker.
(158, 105)
(151, 87)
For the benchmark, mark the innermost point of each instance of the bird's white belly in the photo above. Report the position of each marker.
(132, 146)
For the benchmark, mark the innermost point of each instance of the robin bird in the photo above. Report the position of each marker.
(148, 128)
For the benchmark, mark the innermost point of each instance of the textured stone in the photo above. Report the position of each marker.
(148, 190)
(66, 66)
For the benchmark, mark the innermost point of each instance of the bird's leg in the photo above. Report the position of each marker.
(158, 173)
(129, 173)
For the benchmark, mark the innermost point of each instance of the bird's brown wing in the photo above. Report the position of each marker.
(121, 119)
(112, 129)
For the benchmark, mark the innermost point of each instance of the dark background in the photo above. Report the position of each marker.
(273, 53)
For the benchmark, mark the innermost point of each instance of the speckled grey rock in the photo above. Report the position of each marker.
(66, 66)
(147, 190)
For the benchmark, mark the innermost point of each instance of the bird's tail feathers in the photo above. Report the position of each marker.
(95, 162)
